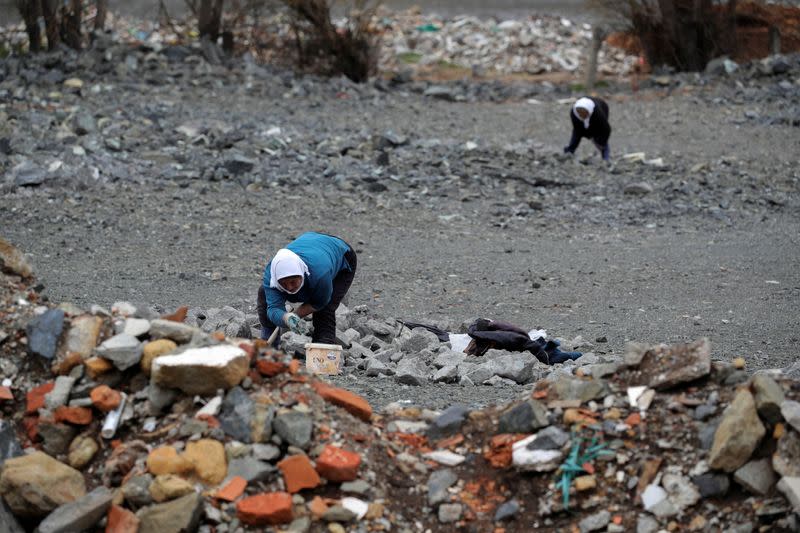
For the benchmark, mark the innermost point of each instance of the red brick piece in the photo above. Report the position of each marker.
(6, 394)
(350, 401)
(80, 416)
(120, 520)
(178, 316)
(265, 509)
(232, 490)
(298, 473)
(35, 397)
(271, 368)
(336, 464)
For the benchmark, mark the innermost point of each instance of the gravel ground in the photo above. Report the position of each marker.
(446, 232)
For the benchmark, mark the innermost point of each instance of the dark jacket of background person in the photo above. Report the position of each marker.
(599, 129)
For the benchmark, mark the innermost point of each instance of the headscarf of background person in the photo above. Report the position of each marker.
(588, 105)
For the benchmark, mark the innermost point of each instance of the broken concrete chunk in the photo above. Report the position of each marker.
(201, 370)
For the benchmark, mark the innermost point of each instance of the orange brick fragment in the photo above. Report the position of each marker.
(97, 366)
(318, 507)
(294, 366)
(298, 473)
(634, 419)
(105, 399)
(6, 394)
(350, 401)
(336, 464)
(120, 520)
(232, 490)
(499, 454)
(271, 368)
(80, 416)
(178, 316)
(265, 509)
(35, 397)
(218, 335)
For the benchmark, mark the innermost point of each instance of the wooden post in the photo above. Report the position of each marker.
(774, 40)
(100, 17)
(598, 34)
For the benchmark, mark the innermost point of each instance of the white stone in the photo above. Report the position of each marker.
(790, 410)
(123, 350)
(534, 460)
(211, 408)
(652, 496)
(445, 457)
(790, 487)
(634, 393)
(123, 308)
(201, 370)
(136, 327)
(407, 426)
(355, 506)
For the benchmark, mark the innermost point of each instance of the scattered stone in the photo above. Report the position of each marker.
(358, 486)
(43, 333)
(79, 515)
(595, 522)
(12, 260)
(136, 491)
(9, 445)
(583, 483)
(450, 512)
(81, 451)
(525, 417)
(790, 488)
(83, 334)
(712, 485)
(105, 399)
(36, 484)
(578, 389)
(202, 370)
(790, 410)
(265, 452)
(250, 469)
(412, 371)
(236, 415)
(682, 494)
(738, 434)
(786, 459)
(663, 367)
(168, 329)
(136, 327)
(507, 510)
(445, 457)
(294, 428)
(123, 350)
(646, 524)
(207, 457)
(527, 460)
(59, 396)
(756, 476)
(120, 520)
(768, 396)
(438, 483)
(550, 438)
(169, 487)
(176, 516)
(166, 460)
(56, 437)
(639, 188)
(448, 423)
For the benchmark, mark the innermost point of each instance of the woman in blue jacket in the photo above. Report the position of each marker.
(314, 269)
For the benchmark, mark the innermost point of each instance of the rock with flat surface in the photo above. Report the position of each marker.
(663, 367)
(294, 428)
(123, 350)
(438, 483)
(756, 476)
(579, 389)
(201, 370)
(790, 410)
(80, 515)
(177, 516)
(83, 334)
(448, 422)
(790, 488)
(35, 485)
(768, 396)
(43, 333)
(786, 459)
(738, 434)
(176, 331)
(412, 371)
(525, 417)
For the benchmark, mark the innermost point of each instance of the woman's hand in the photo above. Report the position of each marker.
(295, 323)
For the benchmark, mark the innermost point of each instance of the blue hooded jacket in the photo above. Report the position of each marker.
(324, 257)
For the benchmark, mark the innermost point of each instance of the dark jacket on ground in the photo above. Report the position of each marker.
(599, 129)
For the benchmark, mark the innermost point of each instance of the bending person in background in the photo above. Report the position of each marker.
(590, 119)
(315, 270)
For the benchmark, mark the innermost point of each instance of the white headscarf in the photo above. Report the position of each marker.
(286, 263)
(588, 105)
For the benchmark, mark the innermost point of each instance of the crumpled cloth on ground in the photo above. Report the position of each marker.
(487, 334)
(440, 333)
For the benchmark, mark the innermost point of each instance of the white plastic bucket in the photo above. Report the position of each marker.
(323, 358)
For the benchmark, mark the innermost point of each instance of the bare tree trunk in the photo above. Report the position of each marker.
(72, 24)
(100, 17)
(51, 23)
(31, 10)
(731, 27)
(598, 34)
(209, 19)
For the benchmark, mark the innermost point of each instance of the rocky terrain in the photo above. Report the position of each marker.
(166, 176)
(125, 420)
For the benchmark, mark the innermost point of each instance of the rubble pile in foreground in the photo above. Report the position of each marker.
(224, 434)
